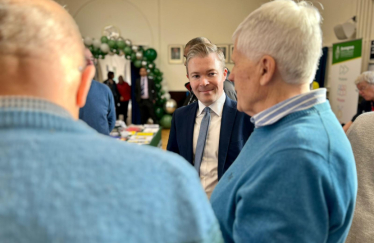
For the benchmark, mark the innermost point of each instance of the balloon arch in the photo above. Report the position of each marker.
(140, 57)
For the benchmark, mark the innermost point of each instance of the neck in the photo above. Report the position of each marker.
(38, 79)
(278, 93)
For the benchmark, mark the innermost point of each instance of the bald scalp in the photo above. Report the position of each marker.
(38, 28)
(42, 54)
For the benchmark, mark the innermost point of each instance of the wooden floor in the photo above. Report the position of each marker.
(165, 137)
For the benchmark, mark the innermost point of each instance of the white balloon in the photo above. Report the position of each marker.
(96, 43)
(167, 96)
(104, 48)
(165, 88)
(87, 41)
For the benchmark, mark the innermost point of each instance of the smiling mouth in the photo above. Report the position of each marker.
(205, 91)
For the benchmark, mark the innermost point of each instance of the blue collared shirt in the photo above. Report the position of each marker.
(291, 105)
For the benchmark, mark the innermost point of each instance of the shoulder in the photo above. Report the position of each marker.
(363, 124)
(228, 85)
(188, 108)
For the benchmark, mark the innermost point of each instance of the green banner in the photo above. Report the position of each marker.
(346, 51)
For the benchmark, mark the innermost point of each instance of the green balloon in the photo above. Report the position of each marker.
(162, 92)
(151, 75)
(156, 71)
(144, 58)
(127, 50)
(133, 57)
(158, 87)
(159, 112)
(166, 121)
(150, 54)
(111, 44)
(121, 44)
(151, 66)
(104, 39)
(138, 63)
(158, 79)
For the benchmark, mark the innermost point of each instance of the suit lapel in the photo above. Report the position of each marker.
(227, 124)
(190, 119)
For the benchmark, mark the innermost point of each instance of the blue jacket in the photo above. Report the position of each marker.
(294, 181)
(236, 127)
(99, 111)
(61, 181)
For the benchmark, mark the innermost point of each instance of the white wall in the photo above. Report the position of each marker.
(159, 23)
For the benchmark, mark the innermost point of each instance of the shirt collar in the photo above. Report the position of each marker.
(216, 107)
(296, 103)
(28, 103)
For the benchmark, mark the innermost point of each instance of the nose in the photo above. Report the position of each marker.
(204, 81)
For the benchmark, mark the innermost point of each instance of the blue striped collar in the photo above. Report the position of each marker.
(296, 103)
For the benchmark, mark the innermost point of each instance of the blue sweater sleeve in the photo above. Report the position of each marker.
(286, 202)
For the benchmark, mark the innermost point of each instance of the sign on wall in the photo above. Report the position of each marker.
(346, 66)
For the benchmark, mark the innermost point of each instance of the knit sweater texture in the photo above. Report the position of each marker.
(361, 136)
(61, 181)
(294, 181)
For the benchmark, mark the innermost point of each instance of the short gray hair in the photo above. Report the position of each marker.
(365, 77)
(290, 32)
(203, 50)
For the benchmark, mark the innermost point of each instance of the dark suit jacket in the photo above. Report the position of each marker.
(235, 130)
(151, 90)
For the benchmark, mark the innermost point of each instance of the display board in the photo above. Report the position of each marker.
(346, 66)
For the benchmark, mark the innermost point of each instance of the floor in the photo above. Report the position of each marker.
(165, 137)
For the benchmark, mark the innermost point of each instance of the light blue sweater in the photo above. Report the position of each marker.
(294, 181)
(61, 181)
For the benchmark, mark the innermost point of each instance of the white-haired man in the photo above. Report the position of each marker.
(365, 87)
(295, 178)
(60, 180)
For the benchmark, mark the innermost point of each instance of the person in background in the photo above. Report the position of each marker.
(361, 136)
(145, 96)
(365, 87)
(60, 180)
(99, 111)
(295, 178)
(113, 87)
(124, 90)
(228, 86)
(211, 132)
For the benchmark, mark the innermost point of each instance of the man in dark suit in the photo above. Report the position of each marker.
(145, 96)
(211, 132)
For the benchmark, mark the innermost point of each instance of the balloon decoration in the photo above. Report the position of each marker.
(141, 57)
(166, 121)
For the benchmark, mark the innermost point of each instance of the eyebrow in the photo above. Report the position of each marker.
(210, 70)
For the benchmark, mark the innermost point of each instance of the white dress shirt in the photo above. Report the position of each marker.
(209, 163)
(144, 80)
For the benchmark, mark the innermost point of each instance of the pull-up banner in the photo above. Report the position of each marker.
(346, 66)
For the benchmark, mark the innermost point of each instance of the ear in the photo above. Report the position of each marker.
(225, 74)
(267, 69)
(85, 84)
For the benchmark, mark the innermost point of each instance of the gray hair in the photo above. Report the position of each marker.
(365, 77)
(203, 50)
(290, 32)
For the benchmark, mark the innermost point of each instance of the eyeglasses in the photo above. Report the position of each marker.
(362, 88)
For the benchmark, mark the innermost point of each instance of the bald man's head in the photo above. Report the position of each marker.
(40, 37)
